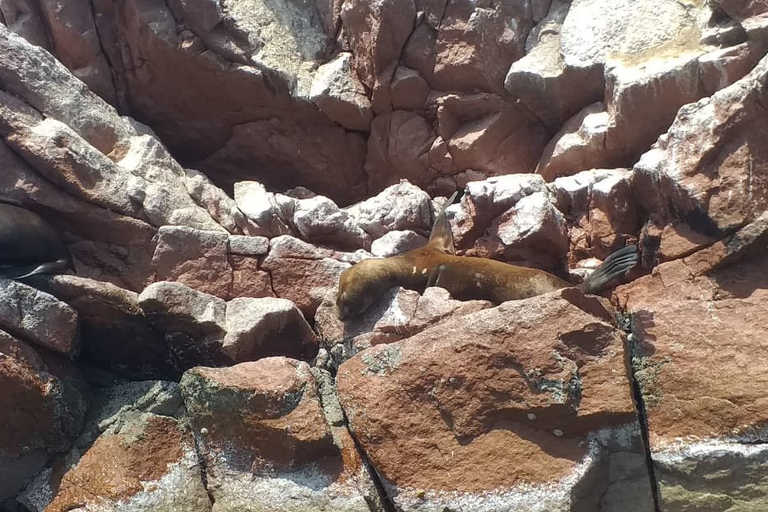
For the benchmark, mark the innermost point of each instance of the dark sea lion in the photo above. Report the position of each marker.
(28, 244)
(464, 277)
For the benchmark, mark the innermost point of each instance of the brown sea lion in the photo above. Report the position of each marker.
(28, 244)
(464, 277)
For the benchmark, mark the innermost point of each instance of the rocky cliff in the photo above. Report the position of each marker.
(214, 165)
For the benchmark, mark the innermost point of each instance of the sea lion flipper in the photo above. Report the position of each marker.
(615, 265)
(441, 236)
(24, 271)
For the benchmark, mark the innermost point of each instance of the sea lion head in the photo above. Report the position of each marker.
(359, 287)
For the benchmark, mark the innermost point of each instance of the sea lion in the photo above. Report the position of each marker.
(28, 244)
(465, 277)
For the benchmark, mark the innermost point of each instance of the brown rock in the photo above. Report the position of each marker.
(398, 148)
(76, 43)
(41, 414)
(248, 280)
(287, 141)
(134, 453)
(120, 468)
(505, 379)
(684, 322)
(265, 439)
(115, 334)
(302, 277)
(38, 317)
(21, 18)
(409, 89)
(710, 167)
(376, 32)
(195, 258)
(476, 44)
(740, 10)
(490, 135)
(698, 361)
(258, 328)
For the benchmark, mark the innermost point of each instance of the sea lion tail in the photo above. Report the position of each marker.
(615, 265)
(23, 271)
(441, 236)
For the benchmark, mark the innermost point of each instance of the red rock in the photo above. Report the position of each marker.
(248, 280)
(709, 167)
(475, 45)
(487, 134)
(303, 279)
(264, 437)
(398, 148)
(740, 10)
(258, 328)
(147, 462)
(697, 357)
(41, 413)
(76, 43)
(195, 258)
(277, 138)
(21, 18)
(409, 89)
(443, 411)
(376, 32)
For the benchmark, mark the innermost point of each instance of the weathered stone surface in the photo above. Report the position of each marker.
(533, 229)
(503, 389)
(409, 89)
(195, 258)
(301, 273)
(665, 67)
(247, 69)
(258, 328)
(134, 454)
(261, 208)
(20, 17)
(376, 32)
(76, 43)
(192, 322)
(38, 317)
(248, 245)
(541, 80)
(475, 44)
(398, 148)
(398, 207)
(41, 414)
(710, 168)
(319, 220)
(339, 94)
(265, 440)
(487, 134)
(218, 204)
(695, 324)
(485, 200)
(114, 333)
(398, 314)
(397, 242)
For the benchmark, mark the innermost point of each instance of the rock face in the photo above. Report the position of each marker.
(42, 411)
(134, 454)
(695, 320)
(555, 370)
(266, 442)
(212, 168)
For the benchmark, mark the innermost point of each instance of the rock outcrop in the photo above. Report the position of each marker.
(214, 166)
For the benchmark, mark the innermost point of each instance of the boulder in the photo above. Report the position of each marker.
(490, 410)
(266, 443)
